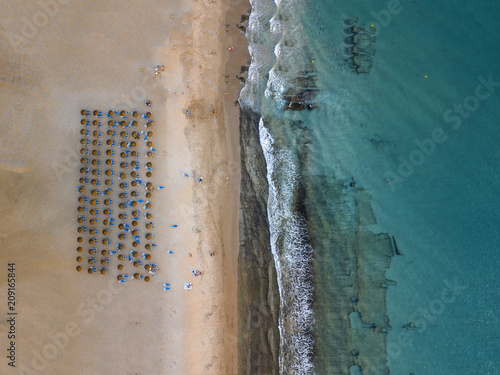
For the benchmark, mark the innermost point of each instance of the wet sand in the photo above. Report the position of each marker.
(101, 56)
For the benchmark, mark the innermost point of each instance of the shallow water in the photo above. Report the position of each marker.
(433, 177)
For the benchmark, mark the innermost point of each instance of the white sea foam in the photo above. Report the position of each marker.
(292, 255)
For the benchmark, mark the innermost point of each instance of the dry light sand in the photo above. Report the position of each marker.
(56, 60)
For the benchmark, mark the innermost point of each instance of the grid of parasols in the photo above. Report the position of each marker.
(115, 222)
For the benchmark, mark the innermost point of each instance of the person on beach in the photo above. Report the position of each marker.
(149, 103)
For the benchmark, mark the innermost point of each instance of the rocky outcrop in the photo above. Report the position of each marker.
(258, 298)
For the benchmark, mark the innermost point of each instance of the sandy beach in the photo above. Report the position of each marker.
(57, 58)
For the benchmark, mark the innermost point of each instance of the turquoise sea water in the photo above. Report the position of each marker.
(420, 134)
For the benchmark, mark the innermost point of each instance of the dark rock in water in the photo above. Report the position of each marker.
(302, 93)
(360, 48)
(258, 297)
(395, 245)
(410, 326)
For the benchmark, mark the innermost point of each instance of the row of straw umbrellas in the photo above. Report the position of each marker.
(93, 139)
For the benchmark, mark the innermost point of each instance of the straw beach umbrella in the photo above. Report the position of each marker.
(136, 275)
(92, 221)
(147, 278)
(90, 270)
(135, 114)
(92, 251)
(83, 112)
(135, 244)
(120, 267)
(119, 277)
(134, 223)
(122, 113)
(79, 259)
(136, 263)
(148, 256)
(147, 246)
(147, 267)
(78, 268)
(79, 239)
(148, 195)
(148, 114)
(149, 174)
(96, 112)
(104, 252)
(135, 254)
(79, 249)
(120, 257)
